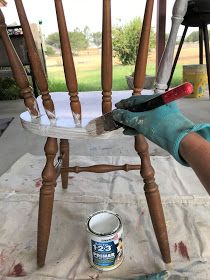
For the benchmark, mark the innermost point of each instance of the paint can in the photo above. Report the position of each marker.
(196, 74)
(105, 244)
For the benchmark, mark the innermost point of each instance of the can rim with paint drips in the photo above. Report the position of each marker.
(105, 240)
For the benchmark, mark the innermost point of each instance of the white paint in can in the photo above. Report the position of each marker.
(105, 240)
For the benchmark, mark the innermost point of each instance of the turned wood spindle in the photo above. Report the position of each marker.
(165, 66)
(153, 198)
(106, 59)
(35, 62)
(64, 151)
(101, 168)
(141, 146)
(68, 63)
(142, 55)
(46, 200)
(18, 71)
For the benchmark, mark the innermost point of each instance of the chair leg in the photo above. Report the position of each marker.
(46, 200)
(35, 89)
(64, 150)
(153, 198)
(206, 42)
(177, 56)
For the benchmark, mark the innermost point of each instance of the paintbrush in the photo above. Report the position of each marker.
(106, 123)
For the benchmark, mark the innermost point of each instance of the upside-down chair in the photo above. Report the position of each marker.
(58, 116)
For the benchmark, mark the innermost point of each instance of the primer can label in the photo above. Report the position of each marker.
(105, 240)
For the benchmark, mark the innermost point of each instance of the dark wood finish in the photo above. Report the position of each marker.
(35, 61)
(46, 200)
(106, 63)
(142, 55)
(206, 43)
(101, 168)
(153, 198)
(64, 151)
(68, 63)
(141, 146)
(18, 71)
(160, 30)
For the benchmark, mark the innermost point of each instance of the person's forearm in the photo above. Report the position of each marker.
(195, 150)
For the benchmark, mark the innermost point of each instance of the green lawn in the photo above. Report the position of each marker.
(89, 80)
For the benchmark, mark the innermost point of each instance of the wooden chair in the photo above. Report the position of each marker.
(48, 120)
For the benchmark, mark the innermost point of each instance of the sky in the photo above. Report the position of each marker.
(81, 13)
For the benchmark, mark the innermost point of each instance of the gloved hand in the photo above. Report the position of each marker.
(166, 126)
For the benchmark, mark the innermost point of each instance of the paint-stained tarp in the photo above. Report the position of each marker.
(186, 206)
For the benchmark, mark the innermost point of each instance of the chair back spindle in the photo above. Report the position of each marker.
(35, 61)
(165, 66)
(106, 59)
(68, 63)
(18, 71)
(141, 60)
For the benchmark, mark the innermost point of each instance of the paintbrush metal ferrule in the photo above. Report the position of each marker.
(109, 122)
(102, 124)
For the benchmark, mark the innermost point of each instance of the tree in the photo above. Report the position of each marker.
(87, 33)
(77, 38)
(193, 37)
(53, 40)
(126, 41)
(50, 51)
(97, 38)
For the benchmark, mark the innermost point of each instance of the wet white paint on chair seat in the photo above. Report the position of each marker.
(91, 103)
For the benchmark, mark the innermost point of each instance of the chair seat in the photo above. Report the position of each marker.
(198, 13)
(64, 127)
(196, 20)
(198, 6)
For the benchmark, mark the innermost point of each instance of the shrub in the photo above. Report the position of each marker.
(9, 89)
(126, 41)
(50, 51)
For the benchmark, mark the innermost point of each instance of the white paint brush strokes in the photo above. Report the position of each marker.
(64, 125)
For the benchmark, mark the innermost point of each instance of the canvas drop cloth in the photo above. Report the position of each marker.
(186, 207)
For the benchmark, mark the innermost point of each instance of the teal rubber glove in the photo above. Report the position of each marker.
(166, 126)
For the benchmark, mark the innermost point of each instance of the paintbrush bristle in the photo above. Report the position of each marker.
(101, 125)
(96, 126)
